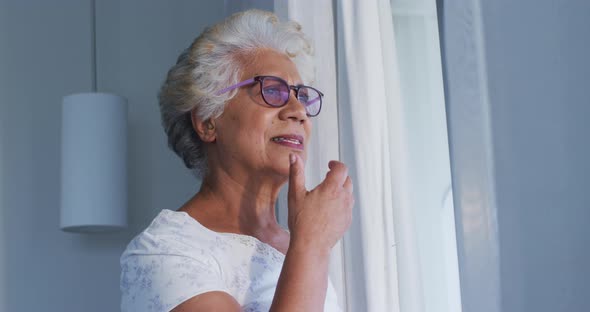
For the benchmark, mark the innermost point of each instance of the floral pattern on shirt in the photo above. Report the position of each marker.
(176, 258)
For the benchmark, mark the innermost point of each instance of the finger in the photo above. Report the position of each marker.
(337, 174)
(348, 185)
(296, 177)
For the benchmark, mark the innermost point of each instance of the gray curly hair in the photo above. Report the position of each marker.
(211, 63)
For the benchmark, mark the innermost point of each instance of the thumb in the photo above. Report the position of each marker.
(296, 177)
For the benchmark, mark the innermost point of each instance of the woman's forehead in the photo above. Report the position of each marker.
(271, 63)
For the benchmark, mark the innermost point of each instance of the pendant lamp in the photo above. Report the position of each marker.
(93, 158)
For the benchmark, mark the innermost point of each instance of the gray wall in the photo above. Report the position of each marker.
(539, 79)
(45, 53)
(529, 90)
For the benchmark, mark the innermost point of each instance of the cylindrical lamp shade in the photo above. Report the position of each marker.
(94, 163)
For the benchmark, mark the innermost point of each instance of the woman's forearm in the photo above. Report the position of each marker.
(303, 281)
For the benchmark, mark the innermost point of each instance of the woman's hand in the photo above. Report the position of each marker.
(320, 217)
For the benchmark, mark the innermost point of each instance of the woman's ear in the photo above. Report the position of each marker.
(205, 128)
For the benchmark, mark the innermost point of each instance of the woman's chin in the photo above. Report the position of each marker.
(281, 172)
(282, 167)
(284, 171)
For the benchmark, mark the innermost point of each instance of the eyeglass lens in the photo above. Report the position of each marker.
(276, 92)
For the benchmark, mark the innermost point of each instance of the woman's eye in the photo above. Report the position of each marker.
(272, 90)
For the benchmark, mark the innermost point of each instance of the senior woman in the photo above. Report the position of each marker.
(237, 108)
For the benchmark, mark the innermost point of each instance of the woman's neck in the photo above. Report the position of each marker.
(240, 204)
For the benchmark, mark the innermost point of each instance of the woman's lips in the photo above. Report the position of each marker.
(289, 140)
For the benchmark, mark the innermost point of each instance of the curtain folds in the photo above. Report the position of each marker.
(372, 113)
(366, 129)
(317, 20)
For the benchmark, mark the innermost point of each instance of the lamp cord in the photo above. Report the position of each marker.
(93, 50)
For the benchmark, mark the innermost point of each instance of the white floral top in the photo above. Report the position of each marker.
(177, 258)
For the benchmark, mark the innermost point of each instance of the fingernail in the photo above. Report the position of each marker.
(292, 158)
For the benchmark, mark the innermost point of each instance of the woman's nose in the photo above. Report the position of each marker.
(294, 110)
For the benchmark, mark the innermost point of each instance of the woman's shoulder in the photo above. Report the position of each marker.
(169, 262)
(177, 234)
(172, 232)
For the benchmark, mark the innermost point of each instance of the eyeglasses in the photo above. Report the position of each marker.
(276, 91)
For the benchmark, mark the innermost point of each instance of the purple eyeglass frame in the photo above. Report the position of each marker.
(291, 87)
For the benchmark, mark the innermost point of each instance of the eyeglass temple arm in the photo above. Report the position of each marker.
(314, 100)
(230, 88)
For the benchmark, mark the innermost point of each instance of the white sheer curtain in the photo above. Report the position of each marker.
(429, 186)
(391, 81)
(369, 132)
(373, 114)
(388, 125)
(364, 129)
(316, 18)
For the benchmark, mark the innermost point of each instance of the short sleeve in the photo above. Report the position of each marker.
(160, 282)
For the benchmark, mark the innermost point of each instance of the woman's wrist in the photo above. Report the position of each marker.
(308, 247)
